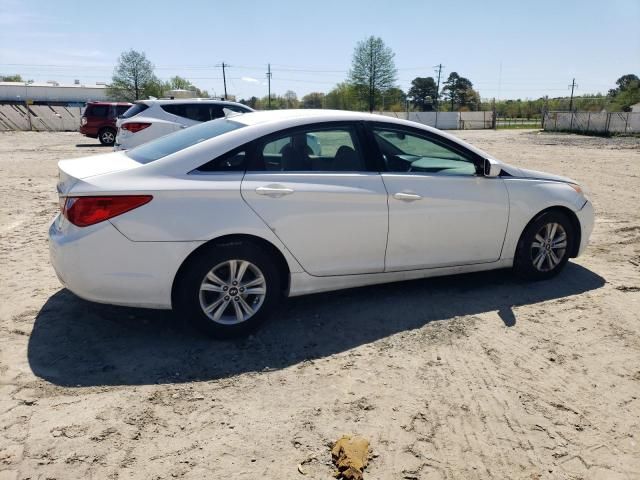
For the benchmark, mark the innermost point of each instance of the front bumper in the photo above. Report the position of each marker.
(100, 264)
(586, 217)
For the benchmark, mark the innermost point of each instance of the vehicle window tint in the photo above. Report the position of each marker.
(236, 108)
(230, 162)
(175, 109)
(327, 150)
(406, 152)
(197, 112)
(216, 111)
(97, 111)
(163, 146)
(120, 109)
(135, 110)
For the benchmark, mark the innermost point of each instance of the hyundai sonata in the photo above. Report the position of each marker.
(221, 220)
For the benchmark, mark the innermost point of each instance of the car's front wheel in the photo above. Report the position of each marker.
(543, 249)
(228, 290)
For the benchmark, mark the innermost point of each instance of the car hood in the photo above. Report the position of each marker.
(534, 174)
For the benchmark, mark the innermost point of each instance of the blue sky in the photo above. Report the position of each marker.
(508, 49)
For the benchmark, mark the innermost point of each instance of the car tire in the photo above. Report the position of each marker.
(544, 246)
(107, 136)
(207, 297)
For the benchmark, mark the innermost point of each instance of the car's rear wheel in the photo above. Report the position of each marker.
(543, 249)
(107, 136)
(228, 290)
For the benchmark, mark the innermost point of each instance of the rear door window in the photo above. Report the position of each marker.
(178, 110)
(135, 110)
(101, 111)
(312, 150)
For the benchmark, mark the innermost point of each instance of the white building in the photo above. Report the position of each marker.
(51, 92)
(635, 108)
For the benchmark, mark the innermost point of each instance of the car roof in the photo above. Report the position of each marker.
(280, 119)
(181, 101)
(109, 103)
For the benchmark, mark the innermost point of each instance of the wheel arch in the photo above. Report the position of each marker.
(575, 223)
(225, 240)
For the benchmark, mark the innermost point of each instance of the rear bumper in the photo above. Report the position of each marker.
(586, 217)
(88, 131)
(100, 264)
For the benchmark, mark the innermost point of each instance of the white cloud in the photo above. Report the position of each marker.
(249, 79)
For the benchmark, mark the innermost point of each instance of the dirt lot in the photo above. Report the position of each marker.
(478, 376)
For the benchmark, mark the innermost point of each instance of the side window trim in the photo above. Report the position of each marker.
(460, 150)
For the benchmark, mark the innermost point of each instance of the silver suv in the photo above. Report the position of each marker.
(149, 119)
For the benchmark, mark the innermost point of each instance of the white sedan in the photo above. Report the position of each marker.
(221, 220)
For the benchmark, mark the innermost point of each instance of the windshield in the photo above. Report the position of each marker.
(182, 139)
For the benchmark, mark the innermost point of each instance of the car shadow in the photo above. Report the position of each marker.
(91, 145)
(79, 343)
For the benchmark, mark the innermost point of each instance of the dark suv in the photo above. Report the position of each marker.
(99, 120)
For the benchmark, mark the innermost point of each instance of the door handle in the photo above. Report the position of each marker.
(274, 191)
(406, 197)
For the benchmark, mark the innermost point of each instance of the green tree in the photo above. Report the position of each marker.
(393, 100)
(11, 78)
(372, 68)
(626, 94)
(423, 93)
(623, 83)
(179, 83)
(459, 91)
(313, 100)
(344, 96)
(291, 99)
(133, 78)
(251, 102)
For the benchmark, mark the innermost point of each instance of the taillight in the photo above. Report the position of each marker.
(83, 121)
(85, 211)
(134, 127)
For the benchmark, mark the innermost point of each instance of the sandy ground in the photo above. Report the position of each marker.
(477, 376)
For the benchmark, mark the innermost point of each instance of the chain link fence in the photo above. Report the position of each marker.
(602, 123)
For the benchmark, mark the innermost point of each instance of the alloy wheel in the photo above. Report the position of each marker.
(232, 292)
(549, 247)
(108, 137)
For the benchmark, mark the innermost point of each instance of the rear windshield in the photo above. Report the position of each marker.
(182, 139)
(135, 110)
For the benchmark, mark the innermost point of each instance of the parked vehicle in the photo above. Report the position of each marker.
(99, 120)
(217, 224)
(150, 119)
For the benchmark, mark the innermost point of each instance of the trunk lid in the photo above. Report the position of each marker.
(72, 171)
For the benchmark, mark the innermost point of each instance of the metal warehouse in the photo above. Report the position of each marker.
(51, 92)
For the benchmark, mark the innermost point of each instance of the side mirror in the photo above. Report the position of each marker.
(491, 168)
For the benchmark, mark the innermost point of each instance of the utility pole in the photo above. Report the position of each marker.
(438, 93)
(573, 85)
(438, 87)
(269, 83)
(494, 119)
(224, 80)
